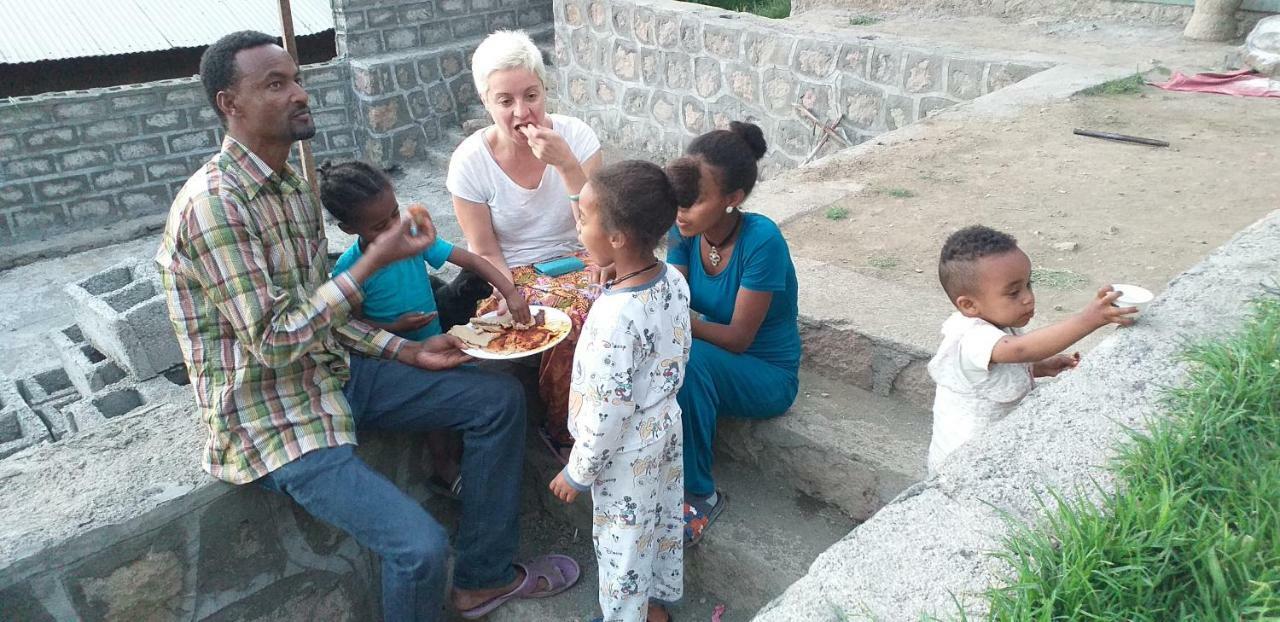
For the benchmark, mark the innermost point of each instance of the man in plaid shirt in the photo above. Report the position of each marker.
(265, 335)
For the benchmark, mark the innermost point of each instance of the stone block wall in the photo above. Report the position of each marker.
(214, 553)
(376, 27)
(649, 75)
(410, 74)
(84, 159)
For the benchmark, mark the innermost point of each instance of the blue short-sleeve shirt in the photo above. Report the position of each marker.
(761, 261)
(402, 287)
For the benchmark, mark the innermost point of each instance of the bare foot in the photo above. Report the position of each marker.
(470, 599)
(657, 613)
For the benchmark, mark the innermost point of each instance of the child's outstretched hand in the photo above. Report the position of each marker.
(562, 490)
(1056, 364)
(1102, 310)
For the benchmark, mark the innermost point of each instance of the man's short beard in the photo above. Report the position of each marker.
(303, 133)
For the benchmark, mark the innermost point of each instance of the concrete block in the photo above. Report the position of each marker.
(89, 370)
(16, 195)
(50, 138)
(20, 427)
(62, 187)
(141, 149)
(122, 312)
(93, 412)
(189, 94)
(46, 386)
(28, 167)
(49, 393)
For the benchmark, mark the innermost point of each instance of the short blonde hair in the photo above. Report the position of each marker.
(505, 49)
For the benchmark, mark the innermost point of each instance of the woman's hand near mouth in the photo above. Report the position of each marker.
(548, 146)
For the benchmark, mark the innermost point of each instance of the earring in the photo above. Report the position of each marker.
(729, 209)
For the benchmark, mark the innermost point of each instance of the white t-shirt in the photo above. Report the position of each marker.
(973, 392)
(531, 225)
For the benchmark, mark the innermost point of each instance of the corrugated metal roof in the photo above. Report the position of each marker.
(36, 30)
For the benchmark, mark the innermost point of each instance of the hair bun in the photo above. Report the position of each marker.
(752, 134)
(324, 167)
(684, 175)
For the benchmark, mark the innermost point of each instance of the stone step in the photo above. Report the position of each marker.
(840, 444)
(766, 539)
(872, 334)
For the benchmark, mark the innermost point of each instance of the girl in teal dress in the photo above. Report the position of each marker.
(746, 349)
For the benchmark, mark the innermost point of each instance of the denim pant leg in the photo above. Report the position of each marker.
(718, 382)
(336, 486)
(489, 409)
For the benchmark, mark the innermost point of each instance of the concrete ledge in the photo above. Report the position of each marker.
(838, 444)
(933, 541)
(865, 340)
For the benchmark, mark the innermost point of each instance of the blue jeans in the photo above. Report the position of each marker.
(338, 487)
(720, 383)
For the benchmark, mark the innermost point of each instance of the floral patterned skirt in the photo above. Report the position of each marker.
(572, 293)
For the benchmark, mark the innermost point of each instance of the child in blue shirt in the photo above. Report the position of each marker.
(398, 298)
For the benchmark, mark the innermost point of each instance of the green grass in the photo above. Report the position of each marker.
(884, 263)
(837, 213)
(775, 9)
(1122, 86)
(1056, 279)
(864, 20)
(1193, 532)
(897, 193)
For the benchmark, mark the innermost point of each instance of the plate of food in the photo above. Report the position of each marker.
(491, 336)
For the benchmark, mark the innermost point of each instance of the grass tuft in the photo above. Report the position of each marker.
(1193, 532)
(884, 263)
(837, 213)
(897, 193)
(864, 20)
(773, 9)
(1122, 86)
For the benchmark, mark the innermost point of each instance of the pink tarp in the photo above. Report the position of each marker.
(1243, 83)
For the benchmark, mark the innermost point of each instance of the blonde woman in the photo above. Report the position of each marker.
(515, 186)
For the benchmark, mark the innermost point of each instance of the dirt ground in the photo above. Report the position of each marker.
(1087, 211)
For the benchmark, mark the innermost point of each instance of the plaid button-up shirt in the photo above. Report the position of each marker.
(263, 330)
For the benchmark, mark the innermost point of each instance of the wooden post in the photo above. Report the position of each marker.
(291, 46)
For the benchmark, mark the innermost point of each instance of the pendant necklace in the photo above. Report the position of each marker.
(714, 255)
(610, 283)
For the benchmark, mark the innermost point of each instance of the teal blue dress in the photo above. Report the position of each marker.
(402, 287)
(761, 382)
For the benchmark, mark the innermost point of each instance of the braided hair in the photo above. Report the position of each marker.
(346, 187)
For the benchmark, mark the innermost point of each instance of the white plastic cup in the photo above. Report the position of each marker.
(1132, 296)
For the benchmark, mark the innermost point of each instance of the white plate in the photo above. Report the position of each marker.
(1132, 295)
(553, 316)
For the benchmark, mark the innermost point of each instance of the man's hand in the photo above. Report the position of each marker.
(1055, 365)
(562, 490)
(548, 146)
(438, 352)
(1102, 310)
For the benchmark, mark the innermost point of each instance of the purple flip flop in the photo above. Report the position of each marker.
(560, 572)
